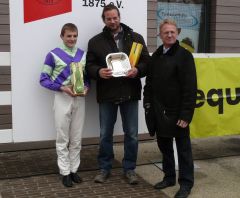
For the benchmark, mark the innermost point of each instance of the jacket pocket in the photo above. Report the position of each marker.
(169, 119)
(150, 121)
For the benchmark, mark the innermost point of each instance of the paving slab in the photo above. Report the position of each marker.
(34, 173)
(50, 186)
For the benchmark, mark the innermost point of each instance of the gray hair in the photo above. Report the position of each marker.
(168, 21)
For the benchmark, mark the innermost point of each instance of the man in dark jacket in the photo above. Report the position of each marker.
(113, 92)
(170, 93)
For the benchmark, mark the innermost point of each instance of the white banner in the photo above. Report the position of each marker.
(30, 42)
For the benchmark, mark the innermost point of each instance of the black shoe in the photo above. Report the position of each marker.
(76, 178)
(183, 192)
(67, 181)
(163, 184)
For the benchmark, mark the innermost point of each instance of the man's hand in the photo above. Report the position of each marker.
(68, 90)
(105, 73)
(182, 123)
(132, 73)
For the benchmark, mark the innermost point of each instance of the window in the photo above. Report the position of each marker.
(192, 17)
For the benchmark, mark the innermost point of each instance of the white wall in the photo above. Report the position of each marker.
(31, 104)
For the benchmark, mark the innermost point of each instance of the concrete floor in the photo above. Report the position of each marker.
(34, 173)
(218, 160)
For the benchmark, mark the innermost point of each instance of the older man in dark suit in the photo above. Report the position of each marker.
(170, 92)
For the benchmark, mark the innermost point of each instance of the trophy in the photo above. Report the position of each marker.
(135, 53)
(77, 78)
(119, 63)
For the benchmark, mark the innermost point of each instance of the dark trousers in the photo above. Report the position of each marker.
(108, 116)
(185, 160)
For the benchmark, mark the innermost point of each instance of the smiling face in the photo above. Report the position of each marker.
(69, 38)
(112, 20)
(168, 34)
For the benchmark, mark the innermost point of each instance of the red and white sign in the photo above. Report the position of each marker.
(40, 9)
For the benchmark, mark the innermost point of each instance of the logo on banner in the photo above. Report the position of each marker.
(40, 9)
(48, 2)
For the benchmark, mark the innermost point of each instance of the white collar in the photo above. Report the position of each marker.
(165, 49)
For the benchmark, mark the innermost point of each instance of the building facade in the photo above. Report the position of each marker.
(221, 35)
